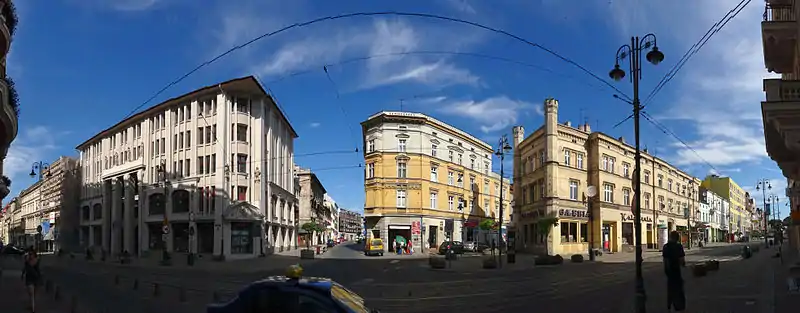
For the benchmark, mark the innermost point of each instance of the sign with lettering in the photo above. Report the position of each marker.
(630, 217)
(573, 213)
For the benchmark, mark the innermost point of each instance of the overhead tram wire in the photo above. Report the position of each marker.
(719, 25)
(666, 131)
(713, 30)
(341, 107)
(368, 14)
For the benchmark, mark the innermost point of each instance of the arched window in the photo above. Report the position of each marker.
(97, 211)
(180, 201)
(157, 204)
(86, 213)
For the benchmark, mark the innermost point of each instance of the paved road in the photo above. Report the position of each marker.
(392, 285)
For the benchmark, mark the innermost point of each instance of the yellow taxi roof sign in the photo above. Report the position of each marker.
(294, 271)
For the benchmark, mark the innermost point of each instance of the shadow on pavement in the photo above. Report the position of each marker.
(354, 246)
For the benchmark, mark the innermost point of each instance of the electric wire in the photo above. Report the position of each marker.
(719, 25)
(341, 107)
(667, 131)
(369, 14)
(696, 47)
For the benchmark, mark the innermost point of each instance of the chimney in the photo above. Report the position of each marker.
(586, 128)
(645, 150)
(622, 139)
(568, 123)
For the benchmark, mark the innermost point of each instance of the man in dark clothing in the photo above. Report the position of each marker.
(673, 261)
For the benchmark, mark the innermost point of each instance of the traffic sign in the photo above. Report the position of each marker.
(165, 229)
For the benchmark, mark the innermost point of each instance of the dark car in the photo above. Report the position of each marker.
(13, 250)
(457, 246)
(331, 243)
(294, 294)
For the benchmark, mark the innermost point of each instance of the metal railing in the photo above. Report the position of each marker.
(779, 13)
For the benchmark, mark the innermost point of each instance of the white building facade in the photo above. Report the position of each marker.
(209, 172)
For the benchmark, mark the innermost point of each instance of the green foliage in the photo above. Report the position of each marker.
(13, 96)
(487, 224)
(311, 227)
(545, 224)
(10, 14)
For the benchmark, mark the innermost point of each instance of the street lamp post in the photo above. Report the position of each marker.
(763, 184)
(41, 169)
(633, 52)
(502, 149)
(161, 170)
(588, 197)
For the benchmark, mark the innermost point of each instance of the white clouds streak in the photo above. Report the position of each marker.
(493, 114)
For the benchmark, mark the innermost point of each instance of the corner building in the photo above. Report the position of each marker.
(218, 160)
(554, 166)
(738, 216)
(427, 181)
(9, 102)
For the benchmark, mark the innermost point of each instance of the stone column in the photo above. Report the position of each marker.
(168, 214)
(105, 227)
(127, 220)
(118, 187)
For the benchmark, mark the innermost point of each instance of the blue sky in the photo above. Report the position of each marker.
(82, 65)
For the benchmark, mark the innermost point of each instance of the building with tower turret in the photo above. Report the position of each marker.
(583, 180)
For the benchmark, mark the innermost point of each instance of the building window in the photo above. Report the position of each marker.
(625, 169)
(402, 171)
(646, 200)
(573, 190)
(569, 232)
(241, 132)
(460, 180)
(486, 168)
(608, 193)
(567, 155)
(660, 181)
(646, 177)
(611, 165)
(450, 155)
(401, 198)
(434, 174)
(241, 193)
(450, 178)
(401, 145)
(371, 145)
(241, 163)
(241, 238)
(434, 199)
(580, 160)
(626, 196)
(541, 158)
(433, 150)
(371, 170)
(460, 159)
(669, 184)
(605, 163)
(450, 201)
(472, 164)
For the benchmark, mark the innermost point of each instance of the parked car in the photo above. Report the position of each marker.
(12, 250)
(293, 293)
(474, 246)
(374, 247)
(457, 246)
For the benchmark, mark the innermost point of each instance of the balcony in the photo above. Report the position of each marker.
(781, 118)
(8, 22)
(779, 34)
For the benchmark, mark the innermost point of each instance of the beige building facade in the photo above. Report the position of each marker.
(554, 168)
(208, 172)
(9, 101)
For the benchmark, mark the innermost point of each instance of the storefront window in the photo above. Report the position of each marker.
(241, 238)
(569, 232)
(584, 232)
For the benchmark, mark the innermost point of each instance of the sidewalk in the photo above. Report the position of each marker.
(784, 300)
(14, 298)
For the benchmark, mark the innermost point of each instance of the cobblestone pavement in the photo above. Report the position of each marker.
(13, 296)
(392, 285)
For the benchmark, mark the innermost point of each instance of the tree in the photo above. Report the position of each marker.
(545, 225)
(6, 181)
(776, 225)
(310, 228)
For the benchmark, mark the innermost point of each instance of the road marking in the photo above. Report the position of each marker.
(394, 261)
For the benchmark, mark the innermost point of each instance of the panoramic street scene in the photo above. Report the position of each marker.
(414, 156)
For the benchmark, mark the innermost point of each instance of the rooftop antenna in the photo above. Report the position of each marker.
(583, 117)
(401, 105)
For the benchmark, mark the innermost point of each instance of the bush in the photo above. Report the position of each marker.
(549, 260)
(436, 262)
(576, 258)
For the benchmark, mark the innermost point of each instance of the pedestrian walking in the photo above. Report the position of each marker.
(31, 275)
(673, 255)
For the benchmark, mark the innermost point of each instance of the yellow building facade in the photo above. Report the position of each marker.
(740, 218)
(553, 170)
(428, 181)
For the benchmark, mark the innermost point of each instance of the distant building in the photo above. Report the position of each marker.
(350, 224)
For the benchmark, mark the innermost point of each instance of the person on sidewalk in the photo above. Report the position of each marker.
(31, 275)
(673, 255)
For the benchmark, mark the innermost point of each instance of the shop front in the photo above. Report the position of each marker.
(572, 234)
(426, 232)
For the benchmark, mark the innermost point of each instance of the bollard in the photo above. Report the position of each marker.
(156, 290)
(116, 280)
(57, 293)
(181, 294)
(135, 284)
(73, 306)
(215, 297)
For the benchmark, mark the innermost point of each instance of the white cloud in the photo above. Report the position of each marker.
(493, 113)
(131, 5)
(462, 6)
(385, 41)
(314, 125)
(243, 20)
(31, 145)
(778, 186)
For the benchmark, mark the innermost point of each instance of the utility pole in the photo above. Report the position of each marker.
(763, 184)
(502, 149)
(633, 53)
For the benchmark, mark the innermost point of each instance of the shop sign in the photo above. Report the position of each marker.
(415, 228)
(630, 217)
(573, 213)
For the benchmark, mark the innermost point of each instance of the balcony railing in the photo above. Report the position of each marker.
(779, 13)
(782, 90)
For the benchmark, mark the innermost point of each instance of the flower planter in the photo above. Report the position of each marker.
(576, 258)
(699, 270)
(307, 254)
(549, 260)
